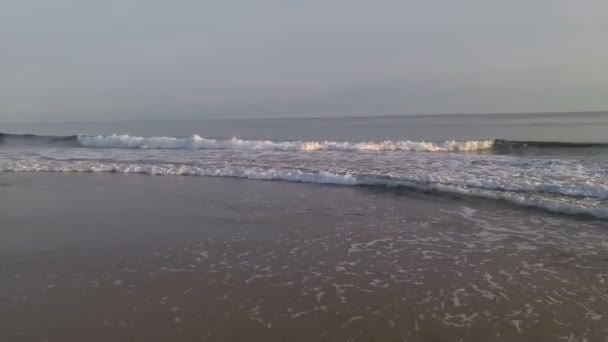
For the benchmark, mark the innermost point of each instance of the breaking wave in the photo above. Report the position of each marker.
(197, 142)
(547, 201)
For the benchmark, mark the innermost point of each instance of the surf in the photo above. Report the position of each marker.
(566, 201)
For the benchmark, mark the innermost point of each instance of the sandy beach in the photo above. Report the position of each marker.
(105, 257)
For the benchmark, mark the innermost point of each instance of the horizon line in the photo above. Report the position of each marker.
(308, 117)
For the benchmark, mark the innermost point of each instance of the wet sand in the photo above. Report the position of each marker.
(105, 257)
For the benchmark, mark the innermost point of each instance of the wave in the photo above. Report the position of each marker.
(198, 142)
(546, 201)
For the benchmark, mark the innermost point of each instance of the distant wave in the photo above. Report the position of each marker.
(531, 197)
(198, 142)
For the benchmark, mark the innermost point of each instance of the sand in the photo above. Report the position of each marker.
(106, 257)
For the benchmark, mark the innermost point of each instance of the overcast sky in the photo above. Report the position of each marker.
(137, 59)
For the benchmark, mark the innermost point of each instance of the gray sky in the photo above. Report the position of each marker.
(135, 59)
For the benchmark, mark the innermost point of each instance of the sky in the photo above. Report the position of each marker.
(146, 59)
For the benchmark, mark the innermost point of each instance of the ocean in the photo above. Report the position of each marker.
(556, 162)
(426, 228)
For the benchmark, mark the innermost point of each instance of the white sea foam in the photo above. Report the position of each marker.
(538, 200)
(197, 142)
